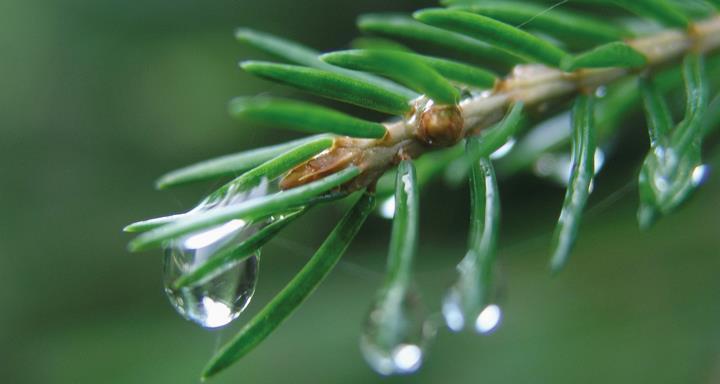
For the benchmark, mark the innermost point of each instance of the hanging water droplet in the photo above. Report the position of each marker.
(468, 302)
(220, 298)
(504, 149)
(484, 321)
(396, 333)
(216, 301)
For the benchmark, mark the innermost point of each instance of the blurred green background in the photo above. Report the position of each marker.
(100, 98)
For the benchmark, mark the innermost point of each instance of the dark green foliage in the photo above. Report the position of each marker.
(452, 70)
(458, 72)
(387, 76)
(662, 11)
(302, 116)
(673, 168)
(484, 218)
(580, 183)
(298, 54)
(659, 118)
(563, 25)
(270, 169)
(400, 67)
(249, 210)
(378, 43)
(609, 55)
(333, 86)
(229, 165)
(499, 34)
(404, 237)
(400, 26)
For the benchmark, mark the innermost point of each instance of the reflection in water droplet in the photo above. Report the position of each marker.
(220, 298)
(215, 301)
(700, 175)
(467, 303)
(207, 238)
(408, 183)
(387, 208)
(661, 183)
(504, 150)
(601, 92)
(599, 160)
(452, 311)
(558, 166)
(555, 167)
(407, 357)
(396, 332)
(485, 322)
(489, 319)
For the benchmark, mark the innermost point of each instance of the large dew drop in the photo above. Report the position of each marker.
(396, 333)
(220, 298)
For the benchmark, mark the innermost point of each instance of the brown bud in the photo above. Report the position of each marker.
(335, 159)
(441, 125)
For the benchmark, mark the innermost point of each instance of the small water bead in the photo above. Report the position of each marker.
(220, 298)
(700, 174)
(661, 183)
(504, 149)
(396, 332)
(386, 209)
(601, 92)
(599, 160)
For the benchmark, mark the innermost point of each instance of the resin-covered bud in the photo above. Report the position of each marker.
(440, 125)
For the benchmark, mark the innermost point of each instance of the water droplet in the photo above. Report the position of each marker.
(468, 302)
(485, 321)
(387, 208)
(601, 92)
(486, 94)
(599, 160)
(661, 182)
(396, 333)
(488, 320)
(504, 150)
(216, 301)
(220, 298)
(700, 175)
